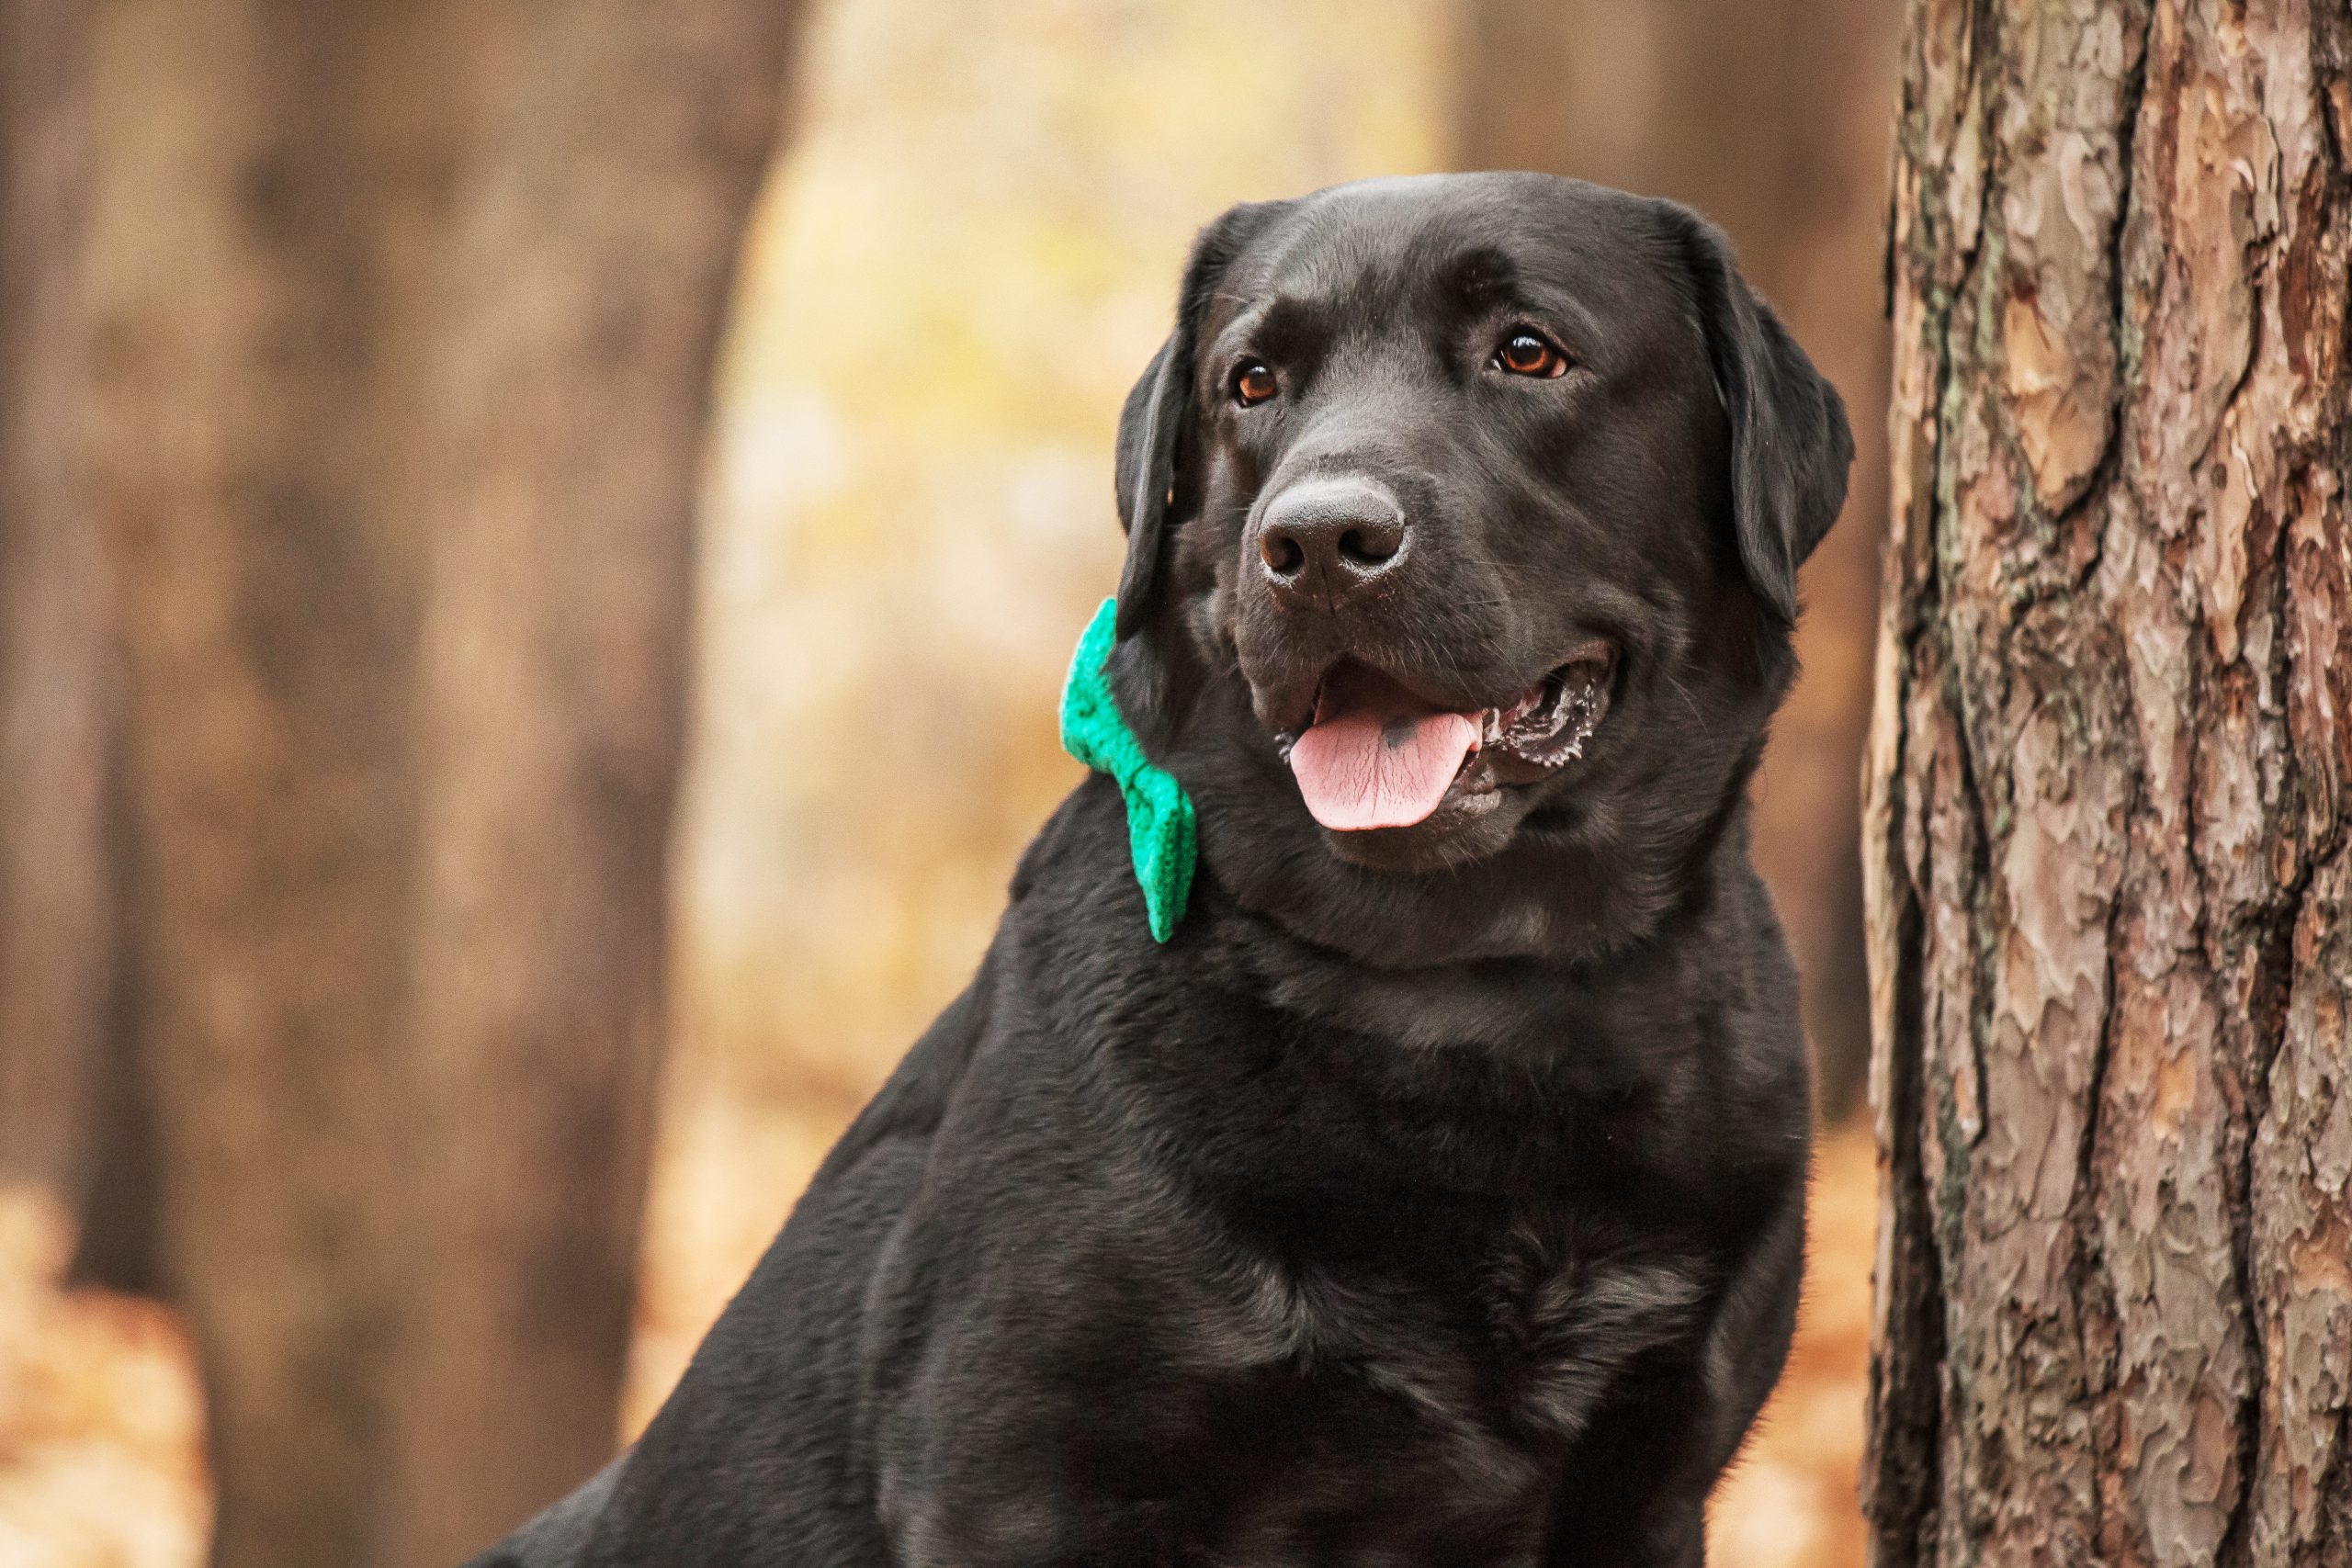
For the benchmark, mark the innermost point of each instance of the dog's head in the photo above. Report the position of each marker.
(1464, 519)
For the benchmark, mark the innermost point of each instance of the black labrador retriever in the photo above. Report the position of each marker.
(1435, 1194)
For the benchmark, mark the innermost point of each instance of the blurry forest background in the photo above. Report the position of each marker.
(537, 554)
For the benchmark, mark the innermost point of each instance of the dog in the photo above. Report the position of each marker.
(1435, 1194)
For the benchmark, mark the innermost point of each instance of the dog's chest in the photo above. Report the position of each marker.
(1404, 1424)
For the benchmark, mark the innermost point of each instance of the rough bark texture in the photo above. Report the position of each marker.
(1771, 119)
(2110, 888)
(403, 321)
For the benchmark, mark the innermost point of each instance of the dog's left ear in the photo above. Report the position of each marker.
(1791, 446)
(1156, 468)
(1144, 471)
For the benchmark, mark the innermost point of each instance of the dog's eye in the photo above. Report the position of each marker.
(1253, 383)
(1524, 353)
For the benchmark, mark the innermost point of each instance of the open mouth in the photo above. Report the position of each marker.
(1374, 755)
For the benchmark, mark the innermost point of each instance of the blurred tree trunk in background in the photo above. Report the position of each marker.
(56, 897)
(589, 264)
(403, 321)
(246, 177)
(1772, 119)
(2111, 876)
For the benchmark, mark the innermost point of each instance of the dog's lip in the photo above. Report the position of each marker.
(1534, 724)
(1554, 718)
(1291, 702)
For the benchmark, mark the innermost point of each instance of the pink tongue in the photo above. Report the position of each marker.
(1374, 769)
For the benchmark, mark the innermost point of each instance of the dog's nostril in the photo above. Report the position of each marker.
(1323, 539)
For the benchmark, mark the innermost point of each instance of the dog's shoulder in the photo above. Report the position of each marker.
(911, 1103)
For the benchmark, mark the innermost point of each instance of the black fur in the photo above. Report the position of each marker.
(1436, 1195)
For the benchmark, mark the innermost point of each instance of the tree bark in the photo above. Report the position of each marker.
(2110, 891)
(403, 321)
(56, 892)
(252, 166)
(1772, 120)
(589, 265)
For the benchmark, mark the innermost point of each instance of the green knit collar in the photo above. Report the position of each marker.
(1160, 813)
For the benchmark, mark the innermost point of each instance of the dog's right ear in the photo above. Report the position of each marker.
(1157, 466)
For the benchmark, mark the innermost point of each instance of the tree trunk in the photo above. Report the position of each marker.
(56, 892)
(2109, 875)
(403, 323)
(591, 262)
(1772, 118)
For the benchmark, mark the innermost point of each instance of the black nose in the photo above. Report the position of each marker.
(1322, 540)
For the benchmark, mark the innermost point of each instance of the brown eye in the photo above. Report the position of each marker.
(1253, 383)
(1524, 353)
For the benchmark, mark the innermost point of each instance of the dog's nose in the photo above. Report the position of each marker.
(1322, 540)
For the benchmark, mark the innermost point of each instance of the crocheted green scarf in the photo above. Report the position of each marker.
(1160, 813)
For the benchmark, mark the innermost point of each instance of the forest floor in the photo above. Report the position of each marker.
(101, 1449)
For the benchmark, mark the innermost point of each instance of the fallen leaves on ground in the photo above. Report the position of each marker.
(101, 1428)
